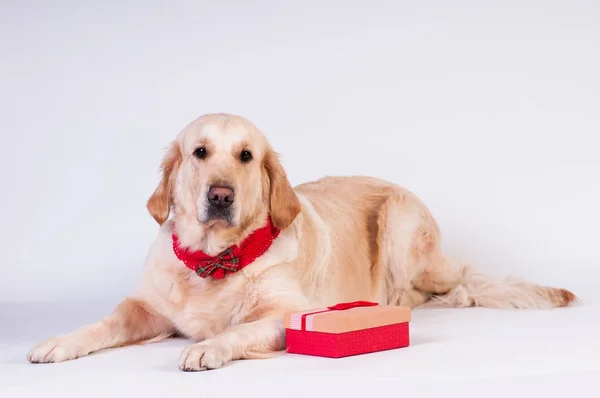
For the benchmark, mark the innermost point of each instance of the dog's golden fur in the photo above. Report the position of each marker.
(342, 239)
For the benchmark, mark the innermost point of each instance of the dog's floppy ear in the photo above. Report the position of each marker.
(159, 204)
(283, 202)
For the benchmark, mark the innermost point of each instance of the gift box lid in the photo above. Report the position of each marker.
(347, 317)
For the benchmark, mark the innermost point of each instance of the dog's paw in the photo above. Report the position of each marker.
(57, 349)
(203, 356)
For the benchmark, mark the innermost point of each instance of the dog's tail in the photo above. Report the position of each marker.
(476, 289)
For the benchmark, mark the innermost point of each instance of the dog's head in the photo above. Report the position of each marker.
(221, 180)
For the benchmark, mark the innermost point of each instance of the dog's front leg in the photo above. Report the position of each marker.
(132, 321)
(261, 338)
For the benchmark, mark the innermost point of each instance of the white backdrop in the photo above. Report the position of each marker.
(488, 110)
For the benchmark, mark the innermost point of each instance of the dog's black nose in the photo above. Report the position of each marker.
(220, 196)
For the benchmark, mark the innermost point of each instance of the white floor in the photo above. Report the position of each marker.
(467, 352)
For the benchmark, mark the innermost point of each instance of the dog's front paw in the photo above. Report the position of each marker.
(57, 349)
(203, 356)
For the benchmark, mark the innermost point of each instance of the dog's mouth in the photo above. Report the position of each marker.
(215, 215)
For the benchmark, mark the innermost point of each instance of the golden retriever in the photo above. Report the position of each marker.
(339, 239)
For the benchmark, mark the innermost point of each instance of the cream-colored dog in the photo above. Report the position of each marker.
(334, 240)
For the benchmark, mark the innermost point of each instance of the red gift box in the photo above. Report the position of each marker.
(347, 329)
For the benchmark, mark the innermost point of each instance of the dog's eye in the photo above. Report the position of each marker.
(200, 152)
(245, 156)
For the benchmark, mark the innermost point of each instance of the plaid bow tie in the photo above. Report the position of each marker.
(225, 261)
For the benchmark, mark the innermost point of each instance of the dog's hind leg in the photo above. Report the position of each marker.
(414, 271)
(407, 238)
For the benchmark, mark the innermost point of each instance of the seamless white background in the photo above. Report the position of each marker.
(488, 110)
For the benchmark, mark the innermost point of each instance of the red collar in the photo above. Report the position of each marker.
(231, 260)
